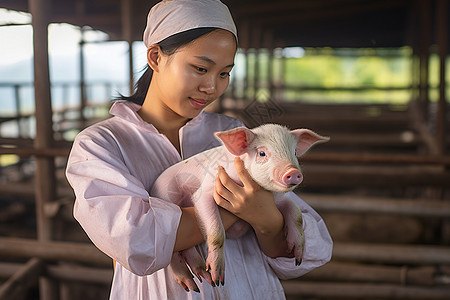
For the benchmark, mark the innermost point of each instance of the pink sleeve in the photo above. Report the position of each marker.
(118, 214)
(318, 245)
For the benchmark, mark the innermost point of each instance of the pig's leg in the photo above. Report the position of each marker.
(211, 224)
(197, 264)
(182, 274)
(293, 221)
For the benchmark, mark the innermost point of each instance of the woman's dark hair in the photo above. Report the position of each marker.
(168, 46)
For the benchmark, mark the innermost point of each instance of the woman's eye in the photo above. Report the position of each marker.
(200, 69)
(262, 153)
(225, 74)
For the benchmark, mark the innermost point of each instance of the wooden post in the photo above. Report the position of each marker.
(424, 55)
(127, 36)
(268, 43)
(83, 99)
(45, 168)
(130, 60)
(256, 45)
(442, 40)
(18, 104)
(244, 43)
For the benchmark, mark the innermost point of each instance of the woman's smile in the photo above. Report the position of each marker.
(198, 103)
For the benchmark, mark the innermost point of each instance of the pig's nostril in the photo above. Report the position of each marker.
(292, 177)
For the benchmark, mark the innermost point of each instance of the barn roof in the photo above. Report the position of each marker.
(319, 23)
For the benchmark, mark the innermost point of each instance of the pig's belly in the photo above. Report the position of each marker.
(187, 184)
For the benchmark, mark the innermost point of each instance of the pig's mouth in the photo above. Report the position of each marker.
(289, 187)
(283, 188)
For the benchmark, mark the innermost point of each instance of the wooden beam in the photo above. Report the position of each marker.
(27, 190)
(282, 7)
(371, 273)
(328, 175)
(330, 290)
(53, 251)
(65, 272)
(392, 254)
(423, 208)
(373, 253)
(376, 158)
(322, 13)
(17, 285)
(27, 152)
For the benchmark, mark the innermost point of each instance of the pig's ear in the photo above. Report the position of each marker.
(236, 140)
(305, 139)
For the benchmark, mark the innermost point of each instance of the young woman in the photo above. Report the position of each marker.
(113, 164)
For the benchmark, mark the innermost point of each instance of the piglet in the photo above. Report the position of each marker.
(270, 153)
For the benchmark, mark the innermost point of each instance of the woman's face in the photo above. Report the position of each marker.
(196, 74)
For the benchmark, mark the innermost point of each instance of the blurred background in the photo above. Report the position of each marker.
(371, 74)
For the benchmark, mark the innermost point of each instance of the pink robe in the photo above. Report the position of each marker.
(111, 168)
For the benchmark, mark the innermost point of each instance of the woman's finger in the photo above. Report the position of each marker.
(243, 174)
(221, 193)
(220, 201)
(229, 184)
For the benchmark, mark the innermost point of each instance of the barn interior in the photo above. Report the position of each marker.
(382, 182)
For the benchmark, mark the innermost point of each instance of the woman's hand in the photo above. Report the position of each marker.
(254, 205)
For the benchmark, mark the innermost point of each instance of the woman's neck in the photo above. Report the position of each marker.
(165, 120)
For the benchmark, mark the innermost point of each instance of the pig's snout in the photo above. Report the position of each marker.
(292, 177)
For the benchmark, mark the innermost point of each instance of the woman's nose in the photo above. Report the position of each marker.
(208, 86)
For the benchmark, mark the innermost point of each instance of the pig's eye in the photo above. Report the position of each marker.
(262, 153)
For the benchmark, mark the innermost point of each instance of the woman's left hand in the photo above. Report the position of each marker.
(253, 204)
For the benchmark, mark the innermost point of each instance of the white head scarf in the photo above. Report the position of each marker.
(169, 17)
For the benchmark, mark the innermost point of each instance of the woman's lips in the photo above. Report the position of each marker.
(198, 103)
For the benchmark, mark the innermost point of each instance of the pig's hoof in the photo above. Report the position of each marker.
(295, 242)
(298, 253)
(297, 250)
(182, 274)
(186, 283)
(203, 274)
(217, 270)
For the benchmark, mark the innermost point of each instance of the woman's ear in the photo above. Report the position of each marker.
(153, 56)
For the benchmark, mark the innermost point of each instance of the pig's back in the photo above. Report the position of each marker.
(179, 182)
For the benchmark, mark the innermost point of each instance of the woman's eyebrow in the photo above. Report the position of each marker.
(209, 60)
